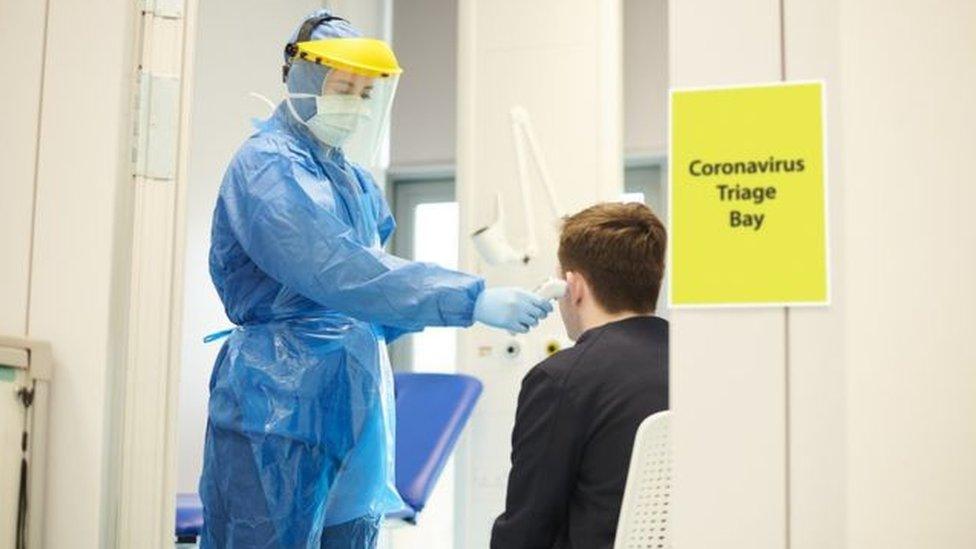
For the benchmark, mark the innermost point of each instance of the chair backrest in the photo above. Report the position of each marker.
(645, 515)
(432, 410)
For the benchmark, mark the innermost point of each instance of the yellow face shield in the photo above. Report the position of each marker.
(365, 56)
(359, 82)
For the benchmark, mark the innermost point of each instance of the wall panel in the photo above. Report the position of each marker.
(818, 376)
(80, 246)
(562, 62)
(910, 241)
(21, 62)
(728, 367)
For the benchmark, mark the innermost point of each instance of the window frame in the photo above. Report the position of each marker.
(407, 188)
(635, 162)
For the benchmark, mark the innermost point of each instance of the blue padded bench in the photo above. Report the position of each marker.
(432, 410)
(189, 518)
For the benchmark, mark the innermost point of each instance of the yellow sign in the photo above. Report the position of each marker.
(747, 196)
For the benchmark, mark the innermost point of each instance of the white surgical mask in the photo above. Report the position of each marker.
(336, 118)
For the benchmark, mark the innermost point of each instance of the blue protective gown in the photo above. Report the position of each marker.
(301, 418)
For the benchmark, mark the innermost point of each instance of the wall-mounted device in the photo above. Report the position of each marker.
(491, 241)
(492, 244)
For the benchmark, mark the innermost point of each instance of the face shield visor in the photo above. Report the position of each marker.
(344, 87)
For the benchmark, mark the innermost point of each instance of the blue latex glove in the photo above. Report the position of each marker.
(512, 309)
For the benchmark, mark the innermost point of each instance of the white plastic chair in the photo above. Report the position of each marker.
(645, 515)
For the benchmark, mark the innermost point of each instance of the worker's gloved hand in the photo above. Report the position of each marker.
(512, 309)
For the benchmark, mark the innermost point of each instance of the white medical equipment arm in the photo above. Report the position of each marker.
(490, 241)
(521, 162)
(521, 120)
(492, 244)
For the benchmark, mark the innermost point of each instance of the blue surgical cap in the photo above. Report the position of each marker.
(305, 77)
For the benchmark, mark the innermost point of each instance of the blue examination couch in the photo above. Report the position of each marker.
(432, 410)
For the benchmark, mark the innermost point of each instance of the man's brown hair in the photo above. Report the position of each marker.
(619, 250)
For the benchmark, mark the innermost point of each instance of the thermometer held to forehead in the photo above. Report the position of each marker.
(553, 288)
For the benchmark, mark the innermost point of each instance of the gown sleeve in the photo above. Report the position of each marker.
(386, 225)
(285, 220)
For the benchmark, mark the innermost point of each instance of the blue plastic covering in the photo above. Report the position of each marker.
(432, 410)
(300, 430)
(306, 77)
(189, 516)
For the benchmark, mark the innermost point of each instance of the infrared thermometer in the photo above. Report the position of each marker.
(552, 289)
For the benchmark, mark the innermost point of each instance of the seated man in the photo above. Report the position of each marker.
(579, 410)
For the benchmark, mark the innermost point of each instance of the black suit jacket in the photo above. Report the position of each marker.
(578, 412)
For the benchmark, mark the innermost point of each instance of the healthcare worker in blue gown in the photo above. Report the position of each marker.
(299, 444)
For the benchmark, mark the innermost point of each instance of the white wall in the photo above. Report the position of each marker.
(908, 120)
(848, 426)
(728, 395)
(645, 76)
(781, 475)
(21, 54)
(371, 17)
(817, 374)
(80, 241)
(552, 57)
(424, 119)
(239, 49)
(21, 57)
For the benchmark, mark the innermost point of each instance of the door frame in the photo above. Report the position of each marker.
(141, 494)
(141, 491)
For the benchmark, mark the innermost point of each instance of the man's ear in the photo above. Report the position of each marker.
(577, 288)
